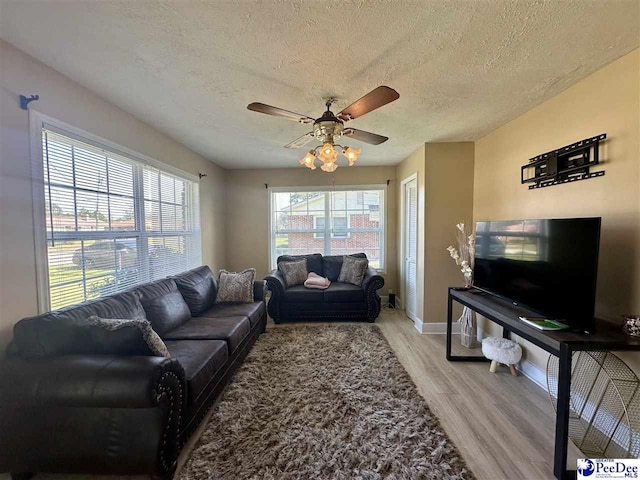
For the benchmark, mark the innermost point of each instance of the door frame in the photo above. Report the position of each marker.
(403, 242)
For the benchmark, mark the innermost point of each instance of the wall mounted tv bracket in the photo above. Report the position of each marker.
(567, 164)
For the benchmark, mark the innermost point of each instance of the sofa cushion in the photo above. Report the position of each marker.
(198, 288)
(232, 330)
(201, 360)
(122, 305)
(332, 264)
(164, 305)
(49, 334)
(314, 261)
(255, 311)
(302, 294)
(339, 292)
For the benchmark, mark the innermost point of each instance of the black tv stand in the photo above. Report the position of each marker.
(475, 291)
(562, 343)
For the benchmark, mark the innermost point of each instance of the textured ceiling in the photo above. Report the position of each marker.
(189, 68)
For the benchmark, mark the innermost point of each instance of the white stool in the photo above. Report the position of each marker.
(501, 350)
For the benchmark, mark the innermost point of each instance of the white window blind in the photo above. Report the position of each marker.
(111, 221)
(355, 223)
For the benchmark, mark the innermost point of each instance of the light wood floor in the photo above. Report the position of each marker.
(502, 425)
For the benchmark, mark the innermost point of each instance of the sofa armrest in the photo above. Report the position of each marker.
(260, 291)
(105, 381)
(277, 286)
(371, 283)
(275, 282)
(372, 280)
(91, 414)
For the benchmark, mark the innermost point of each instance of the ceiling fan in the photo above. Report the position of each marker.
(328, 128)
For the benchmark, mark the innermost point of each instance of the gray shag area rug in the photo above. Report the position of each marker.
(323, 402)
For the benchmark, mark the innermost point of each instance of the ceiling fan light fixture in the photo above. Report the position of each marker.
(329, 128)
(351, 154)
(327, 149)
(329, 166)
(308, 160)
(328, 153)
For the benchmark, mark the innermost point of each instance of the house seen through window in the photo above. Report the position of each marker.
(335, 222)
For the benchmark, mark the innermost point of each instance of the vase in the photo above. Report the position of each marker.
(468, 328)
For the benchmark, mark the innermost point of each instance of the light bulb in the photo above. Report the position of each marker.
(329, 167)
(308, 160)
(327, 153)
(327, 149)
(351, 154)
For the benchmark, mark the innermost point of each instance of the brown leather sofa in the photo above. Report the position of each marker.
(341, 301)
(63, 410)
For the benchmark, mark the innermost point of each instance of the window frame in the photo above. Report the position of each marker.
(342, 188)
(37, 123)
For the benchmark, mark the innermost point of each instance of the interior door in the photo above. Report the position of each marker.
(410, 241)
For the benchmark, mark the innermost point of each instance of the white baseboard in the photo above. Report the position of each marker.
(418, 324)
(437, 328)
(534, 373)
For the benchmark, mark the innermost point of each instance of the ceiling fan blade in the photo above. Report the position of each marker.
(301, 141)
(279, 112)
(367, 137)
(376, 98)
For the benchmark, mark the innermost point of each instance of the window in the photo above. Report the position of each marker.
(318, 225)
(299, 222)
(112, 220)
(340, 226)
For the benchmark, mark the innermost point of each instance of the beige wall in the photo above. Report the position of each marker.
(606, 102)
(67, 101)
(247, 226)
(445, 197)
(448, 201)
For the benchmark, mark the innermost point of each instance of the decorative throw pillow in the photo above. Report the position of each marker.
(149, 336)
(294, 273)
(353, 270)
(236, 287)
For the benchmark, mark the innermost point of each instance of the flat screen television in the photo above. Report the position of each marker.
(549, 266)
